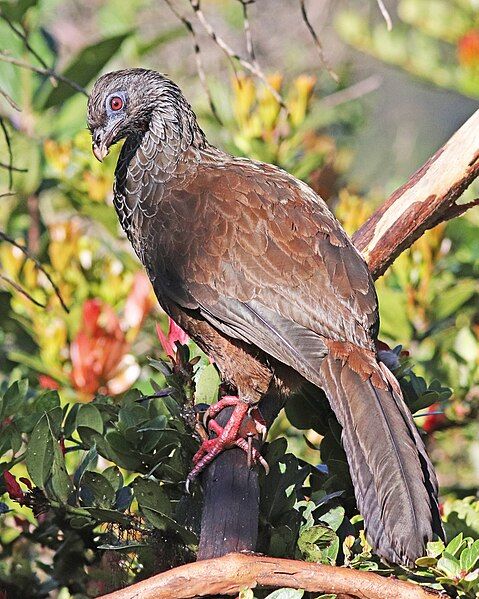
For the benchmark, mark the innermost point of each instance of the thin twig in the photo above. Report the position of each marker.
(385, 14)
(21, 290)
(317, 41)
(41, 71)
(16, 169)
(8, 166)
(10, 100)
(199, 63)
(247, 30)
(254, 69)
(353, 92)
(458, 209)
(23, 36)
(38, 264)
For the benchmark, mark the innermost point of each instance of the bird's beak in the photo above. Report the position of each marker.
(100, 150)
(103, 138)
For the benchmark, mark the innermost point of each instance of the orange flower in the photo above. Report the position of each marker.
(99, 352)
(468, 49)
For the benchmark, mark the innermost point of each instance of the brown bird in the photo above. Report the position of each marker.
(251, 263)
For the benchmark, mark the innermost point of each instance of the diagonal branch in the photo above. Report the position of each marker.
(42, 71)
(317, 41)
(199, 62)
(425, 200)
(37, 263)
(253, 68)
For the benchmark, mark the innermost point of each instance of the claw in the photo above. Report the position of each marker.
(229, 436)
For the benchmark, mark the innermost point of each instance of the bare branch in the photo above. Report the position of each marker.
(23, 36)
(247, 30)
(42, 71)
(10, 100)
(353, 92)
(427, 199)
(254, 69)
(385, 14)
(13, 168)
(21, 290)
(317, 41)
(229, 574)
(8, 166)
(199, 62)
(38, 264)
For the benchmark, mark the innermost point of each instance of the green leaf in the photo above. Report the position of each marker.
(103, 494)
(449, 565)
(207, 384)
(455, 544)
(469, 556)
(61, 483)
(39, 454)
(89, 416)
(114, 477)
(334, 517)
(106, 515)
(286, 594)
(14, 398)
(435, 548)
(87, 64)
(313, 543)
(90, 458)
(150, 494)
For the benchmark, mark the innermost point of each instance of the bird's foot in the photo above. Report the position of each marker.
(243, 425)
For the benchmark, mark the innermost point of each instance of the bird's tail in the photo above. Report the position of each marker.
(394, 480)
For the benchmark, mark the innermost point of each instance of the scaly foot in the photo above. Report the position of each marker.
(239, 431)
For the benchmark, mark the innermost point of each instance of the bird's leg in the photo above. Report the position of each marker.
(230, 435)
(232, 401)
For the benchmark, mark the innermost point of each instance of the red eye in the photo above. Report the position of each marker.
(116, 103)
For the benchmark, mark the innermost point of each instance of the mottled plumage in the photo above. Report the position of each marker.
(253, 265)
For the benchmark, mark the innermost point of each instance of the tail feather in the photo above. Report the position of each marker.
(394, 480)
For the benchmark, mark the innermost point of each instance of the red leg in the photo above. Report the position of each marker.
(228, 436)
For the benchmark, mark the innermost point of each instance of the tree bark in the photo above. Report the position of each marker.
(229, 574)
(426, 199)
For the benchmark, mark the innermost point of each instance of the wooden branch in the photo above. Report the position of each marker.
(229, 519)
(229, 574)
(427, 199)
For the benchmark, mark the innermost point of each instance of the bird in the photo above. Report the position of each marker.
(252, 264)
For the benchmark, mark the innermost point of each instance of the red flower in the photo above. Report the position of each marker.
(98, 352)
(433, 422)
(14, 490)
(468, 49)
(46, 382)
(175, 334)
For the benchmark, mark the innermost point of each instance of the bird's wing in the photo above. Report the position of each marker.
(260, 255)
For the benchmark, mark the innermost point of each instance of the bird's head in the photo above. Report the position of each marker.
(122, 103)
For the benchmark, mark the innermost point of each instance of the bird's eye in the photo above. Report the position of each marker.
(116, 103)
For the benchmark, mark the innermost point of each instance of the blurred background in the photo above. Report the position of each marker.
(367, 104)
